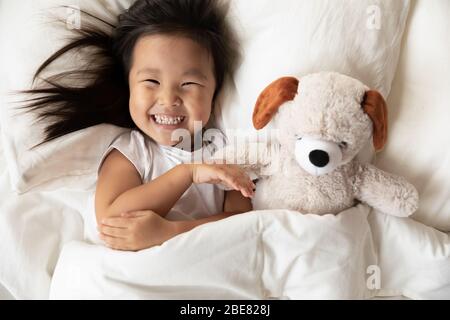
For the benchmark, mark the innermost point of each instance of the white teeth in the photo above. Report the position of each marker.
(162, 119)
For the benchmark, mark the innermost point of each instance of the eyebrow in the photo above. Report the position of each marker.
(195, 73)
(191, 72)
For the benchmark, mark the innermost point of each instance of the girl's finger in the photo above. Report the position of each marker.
(244, 192)
(250, 183)
(229, 181)
(114, 243)
(108, 240)
(252, 187)
(245, 189)
(248, 192)
(116, 222)
(244, 183)
(113, 232)
(240, 183)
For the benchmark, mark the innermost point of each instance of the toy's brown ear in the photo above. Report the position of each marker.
(272, 97)
(375, 107)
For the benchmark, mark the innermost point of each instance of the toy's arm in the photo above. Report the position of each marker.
(386, 192)
(253, 157)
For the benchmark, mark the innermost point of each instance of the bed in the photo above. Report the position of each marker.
(46, 249)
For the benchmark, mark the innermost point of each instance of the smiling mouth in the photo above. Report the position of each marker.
(167, 120)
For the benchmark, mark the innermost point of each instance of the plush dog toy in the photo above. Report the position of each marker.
(323, 121)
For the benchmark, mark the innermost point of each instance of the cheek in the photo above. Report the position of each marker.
(200, 107)
(139, 101)
(202, 114)
(205, 112)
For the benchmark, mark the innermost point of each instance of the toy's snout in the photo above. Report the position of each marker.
(316, 156)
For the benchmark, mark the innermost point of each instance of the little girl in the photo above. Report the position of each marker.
(160, 71)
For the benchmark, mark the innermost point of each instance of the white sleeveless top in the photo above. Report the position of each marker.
(152, 160)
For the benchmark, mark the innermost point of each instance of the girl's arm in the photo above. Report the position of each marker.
(120, 188)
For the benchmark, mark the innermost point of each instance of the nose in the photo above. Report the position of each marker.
(319, 158)
(316, 156)
(168, 97)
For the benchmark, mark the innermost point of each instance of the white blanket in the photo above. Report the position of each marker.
(268, 254)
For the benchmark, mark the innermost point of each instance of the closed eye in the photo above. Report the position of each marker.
(152, 81)
(190, 84)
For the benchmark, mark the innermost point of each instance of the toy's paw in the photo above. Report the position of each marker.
(407, 199)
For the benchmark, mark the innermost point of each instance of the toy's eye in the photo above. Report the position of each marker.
(298, 137)
(343, 145)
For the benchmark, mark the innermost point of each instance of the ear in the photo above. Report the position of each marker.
(375, 107)
(272, 97)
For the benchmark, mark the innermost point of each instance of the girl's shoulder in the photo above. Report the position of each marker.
(134, 138)
(134, 144)
(137, 136)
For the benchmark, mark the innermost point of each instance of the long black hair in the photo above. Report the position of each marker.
(104, 95)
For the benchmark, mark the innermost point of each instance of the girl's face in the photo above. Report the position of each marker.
(172, 85)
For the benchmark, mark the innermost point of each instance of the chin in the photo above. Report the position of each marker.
(166, 141)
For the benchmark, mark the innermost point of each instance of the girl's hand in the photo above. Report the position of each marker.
(136, 231)
(230, 175)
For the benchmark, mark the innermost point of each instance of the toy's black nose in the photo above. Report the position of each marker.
(319, 158)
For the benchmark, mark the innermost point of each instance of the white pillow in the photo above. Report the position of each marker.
(295, 37)
(418, 145)
(279, 38)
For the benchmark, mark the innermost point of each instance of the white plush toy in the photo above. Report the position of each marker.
(323, 121)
